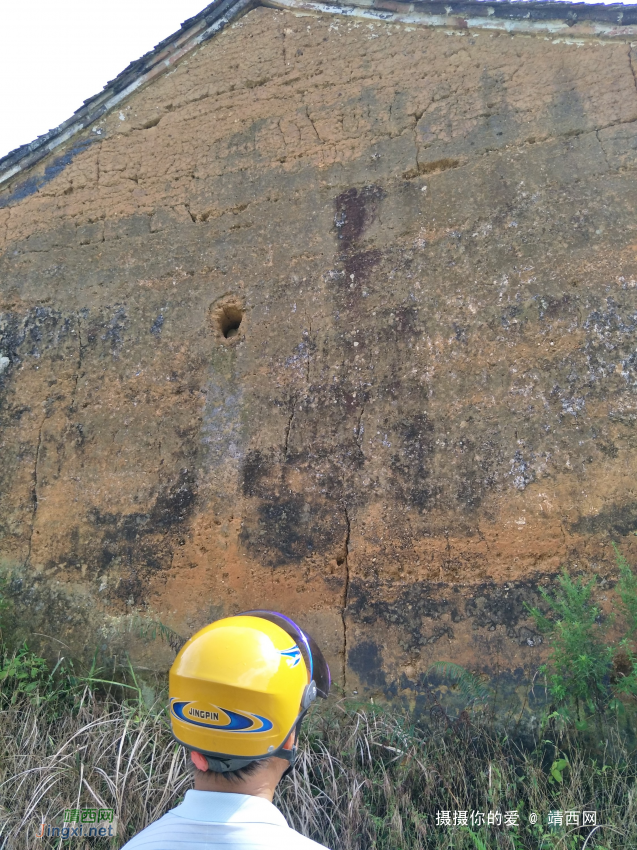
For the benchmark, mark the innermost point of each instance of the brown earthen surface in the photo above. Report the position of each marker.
(429, 403)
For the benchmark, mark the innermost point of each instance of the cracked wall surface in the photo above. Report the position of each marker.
(429, 404)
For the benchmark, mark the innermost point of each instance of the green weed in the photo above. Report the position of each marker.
(472, 689)
(578, 669)
(586, 675)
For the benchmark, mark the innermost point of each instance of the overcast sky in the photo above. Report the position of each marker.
(56, 53)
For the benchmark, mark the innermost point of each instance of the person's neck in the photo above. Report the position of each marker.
(260, 784)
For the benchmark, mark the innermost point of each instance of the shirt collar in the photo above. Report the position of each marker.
(220, 807)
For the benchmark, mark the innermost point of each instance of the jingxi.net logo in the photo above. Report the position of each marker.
(82, 823)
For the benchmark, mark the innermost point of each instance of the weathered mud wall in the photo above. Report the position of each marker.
(430, 241)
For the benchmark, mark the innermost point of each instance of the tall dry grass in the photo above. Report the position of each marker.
(101, 754)
(371, 780)
(366, 778)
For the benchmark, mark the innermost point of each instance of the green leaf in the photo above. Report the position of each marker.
(557, 769)
(470, 686)
(477, 841)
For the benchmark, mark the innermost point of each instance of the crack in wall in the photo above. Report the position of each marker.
(308, 359)
(309, 118)
(34, 493)
(280, 129)
(419, 168)
(285, 57)
(345, 593)
(439, 165)
(563, 534)
(482, 538)
(289, 426)
(359, 430)
(446, 563)
(416, 170)
(6, 227)
(80, 353)
(601, 144)
(632, 66)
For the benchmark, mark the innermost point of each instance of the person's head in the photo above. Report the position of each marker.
(239, 690)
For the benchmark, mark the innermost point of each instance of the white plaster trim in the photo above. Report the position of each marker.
(365, 10)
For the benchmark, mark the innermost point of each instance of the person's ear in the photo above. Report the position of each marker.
(199, 761)
(290, 741)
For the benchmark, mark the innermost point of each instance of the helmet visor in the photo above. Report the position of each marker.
(312, 655)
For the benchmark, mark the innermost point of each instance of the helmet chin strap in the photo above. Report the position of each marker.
(225, 765)
(291, 754)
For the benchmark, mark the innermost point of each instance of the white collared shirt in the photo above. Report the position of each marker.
(211, 820)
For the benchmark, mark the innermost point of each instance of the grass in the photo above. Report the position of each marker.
(101, 753)
(367, 777)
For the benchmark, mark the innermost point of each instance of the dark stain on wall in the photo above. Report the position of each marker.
(360, 264)
(172, 507)
(33, 184)
(43, 606)
(366, 661)
(284, 521)
(417, 610)
(614, 520)
(137, 543)
(288, 528)
(355, 211)
(40, 329)
(479, 462)
(413, 460)
(257, 471)
(175, 504)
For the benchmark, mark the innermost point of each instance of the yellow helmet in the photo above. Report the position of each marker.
(240, 686)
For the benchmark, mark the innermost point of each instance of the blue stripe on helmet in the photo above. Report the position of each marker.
(238, 722)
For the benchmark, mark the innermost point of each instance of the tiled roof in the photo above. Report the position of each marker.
(575, 19)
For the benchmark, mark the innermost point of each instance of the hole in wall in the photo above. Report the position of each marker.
(227, 316)
(230, 321)
(341, 557)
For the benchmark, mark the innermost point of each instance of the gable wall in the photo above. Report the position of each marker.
(430, 404)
